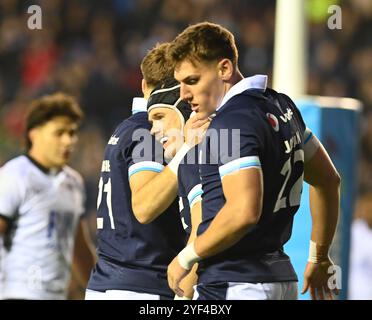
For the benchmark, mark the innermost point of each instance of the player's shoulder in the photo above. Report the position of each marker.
(283, 99)
(237, 112)
(137, 121)
(18, 166)
(132, 128)
(74, 175)
(289, 107)
(253, 106)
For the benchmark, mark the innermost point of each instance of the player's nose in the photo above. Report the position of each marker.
(69, 139)
(185, 93)
(154, 130)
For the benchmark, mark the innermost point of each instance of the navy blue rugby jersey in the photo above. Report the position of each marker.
(132, 256)
(189, 186)
(255, 128)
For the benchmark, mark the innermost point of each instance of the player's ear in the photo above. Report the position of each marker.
(225, 69)
(144, 86)
(31, 135)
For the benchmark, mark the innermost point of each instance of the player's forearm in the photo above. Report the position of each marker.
(84, 266)
(155, 196)
(3, 226)
(324, 206)
(324, 182)
(229, 226)
(84, 254)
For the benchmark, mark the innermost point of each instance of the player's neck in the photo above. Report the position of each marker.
(40, 162)
(236, 77)
(147, 92)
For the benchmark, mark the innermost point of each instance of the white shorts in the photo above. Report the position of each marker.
(119, 295)
(247, 291)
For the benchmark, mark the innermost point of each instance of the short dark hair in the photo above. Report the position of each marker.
(48, 107)
(206, 42)
(155, 67)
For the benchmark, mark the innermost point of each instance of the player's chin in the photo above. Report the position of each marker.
(64, 158)
(170, 150)
(202, 115)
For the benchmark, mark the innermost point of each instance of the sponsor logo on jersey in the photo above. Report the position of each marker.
(287, 116)
(293, 142)
(273, 120)
(113, 140)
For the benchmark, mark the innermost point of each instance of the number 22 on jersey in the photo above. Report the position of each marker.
(296, 188)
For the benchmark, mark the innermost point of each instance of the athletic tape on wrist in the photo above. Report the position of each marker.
(315, 256)
(187, 257)
(175, 162)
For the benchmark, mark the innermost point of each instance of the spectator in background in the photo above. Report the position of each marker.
(41, 206)
(360, 273)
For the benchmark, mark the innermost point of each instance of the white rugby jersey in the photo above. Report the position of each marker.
(43, 210)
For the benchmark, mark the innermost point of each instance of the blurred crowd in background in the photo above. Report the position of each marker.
(92, 49)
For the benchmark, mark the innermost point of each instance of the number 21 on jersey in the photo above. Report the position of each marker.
(107, 189)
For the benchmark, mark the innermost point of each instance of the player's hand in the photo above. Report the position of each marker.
(175, 274)
(195, 129)
(316, 279)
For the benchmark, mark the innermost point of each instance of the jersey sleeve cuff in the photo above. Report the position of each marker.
(195, 195)
(311, 144)
(239, 164)
(145, 166)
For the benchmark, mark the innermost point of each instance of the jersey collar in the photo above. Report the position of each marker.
(139, 105)
(258, 81)
(41, 167)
